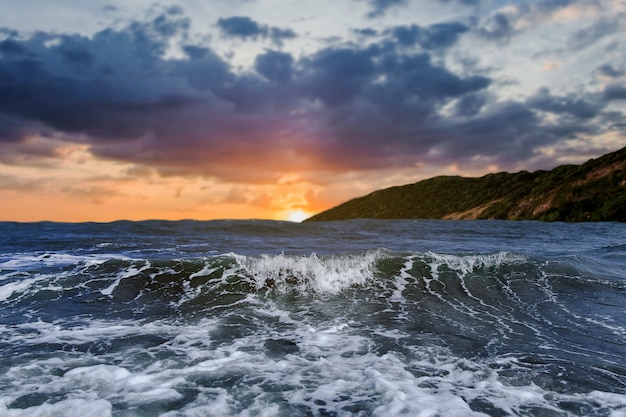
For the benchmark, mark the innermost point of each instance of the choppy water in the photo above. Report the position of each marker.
(357, 318)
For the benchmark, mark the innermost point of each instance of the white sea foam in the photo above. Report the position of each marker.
(328, 275)
(130, 272)
(7, 290)
(262, 354)
(21, 265)
(21, 261)
(465, 264)
(64, 408)
(328, 367)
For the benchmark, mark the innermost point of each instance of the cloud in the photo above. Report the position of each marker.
(241, 26)
(569, 105)
(470, 104)
(341, 108)
(244, 27)
(18, 184)
(514, 18)
(608, 70)
(463, 2)
(366, 32)
(337, 75)
(497, 26)
(275, 66)
(437, 36)
(380, 7)
(10, 47)
(593, 33)
(103, 87)
(615, 91)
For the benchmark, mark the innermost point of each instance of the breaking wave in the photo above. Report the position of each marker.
(374, 332)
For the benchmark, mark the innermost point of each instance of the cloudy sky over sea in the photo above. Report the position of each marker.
(277, 109)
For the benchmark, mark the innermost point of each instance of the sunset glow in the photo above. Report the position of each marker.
(297, 216)
(132, 110)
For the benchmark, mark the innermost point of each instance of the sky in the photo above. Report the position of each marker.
(277, 109)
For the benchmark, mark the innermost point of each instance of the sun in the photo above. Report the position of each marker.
(297, 215)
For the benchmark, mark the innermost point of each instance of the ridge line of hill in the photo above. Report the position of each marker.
(593, 191)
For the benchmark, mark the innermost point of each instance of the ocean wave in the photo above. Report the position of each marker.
(301, 367)
(124, 278)
(376, 332)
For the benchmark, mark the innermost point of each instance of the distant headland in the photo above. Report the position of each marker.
(593, 191)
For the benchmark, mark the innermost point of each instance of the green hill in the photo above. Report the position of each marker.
(593, 191)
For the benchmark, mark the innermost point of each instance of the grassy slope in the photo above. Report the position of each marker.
(594, 191)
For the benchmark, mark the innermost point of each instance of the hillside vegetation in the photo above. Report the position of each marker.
(593, 191)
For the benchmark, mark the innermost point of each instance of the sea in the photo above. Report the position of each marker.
(346, 318)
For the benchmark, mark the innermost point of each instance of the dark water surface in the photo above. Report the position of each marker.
(355, 318)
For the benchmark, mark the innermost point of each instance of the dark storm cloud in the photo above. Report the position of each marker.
(365, 32)
(380, 7)
(78, 85)
(470, 104)
(244, 27)
(615, 91)
(240, 26)
(488, 132)
(205, 71)
(437, 36)
(341, 108)
(10, 47)
(14, 129)
(337, 76)
(610, 71)
(421, 78)
(569, 105)
(275, 66)
(463, 2)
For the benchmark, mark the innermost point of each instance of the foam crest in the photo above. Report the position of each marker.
(7, 290)
(24, 275)
(130, 272)
(24, 261)
(465, 264)
(64, 408)
(329, 274)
